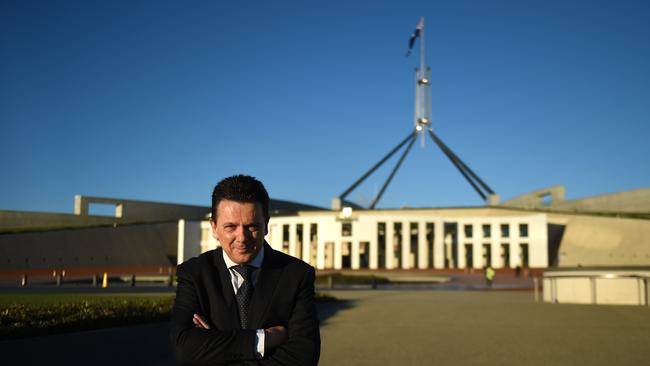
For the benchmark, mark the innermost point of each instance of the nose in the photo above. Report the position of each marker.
(241, 234)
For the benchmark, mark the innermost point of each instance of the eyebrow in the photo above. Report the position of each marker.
(253, 223)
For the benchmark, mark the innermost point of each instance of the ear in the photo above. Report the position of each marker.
(213, 225)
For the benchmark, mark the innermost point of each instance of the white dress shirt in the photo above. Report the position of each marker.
(237, 280)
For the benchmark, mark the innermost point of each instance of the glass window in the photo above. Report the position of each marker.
(468, 231)
(313, 232)
(505, 230)
(381, 228)
(523, 230)
(487, 230)
(346, 229)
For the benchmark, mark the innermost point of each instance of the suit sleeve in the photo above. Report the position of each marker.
(194, 345)
(303, 346)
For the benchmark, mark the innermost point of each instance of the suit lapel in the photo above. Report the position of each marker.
(267, 281)
(224, 277)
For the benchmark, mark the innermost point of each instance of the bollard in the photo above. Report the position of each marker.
(536, 286)
(105, 280)
(170, 280)
(330, 282)
(374, 282)
(133, 280)
(95, 279)
(23, 280)
(59, 279)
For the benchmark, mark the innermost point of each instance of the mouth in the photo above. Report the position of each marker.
(243, 249)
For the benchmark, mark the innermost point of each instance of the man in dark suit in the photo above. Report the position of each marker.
(244, 303)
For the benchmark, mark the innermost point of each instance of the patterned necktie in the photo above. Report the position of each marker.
(244, 293)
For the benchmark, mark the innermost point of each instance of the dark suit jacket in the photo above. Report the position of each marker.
(283, 295)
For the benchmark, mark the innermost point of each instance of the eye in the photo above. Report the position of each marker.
(253, 228)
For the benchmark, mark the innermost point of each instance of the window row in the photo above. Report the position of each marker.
(468, 229)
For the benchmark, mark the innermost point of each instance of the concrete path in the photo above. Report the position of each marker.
(480, 328)
(401, 328)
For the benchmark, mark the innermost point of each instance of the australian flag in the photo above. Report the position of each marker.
(416, 34)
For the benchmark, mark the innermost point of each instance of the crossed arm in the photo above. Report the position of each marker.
(295, 343)
(194, 345)
(274, 336)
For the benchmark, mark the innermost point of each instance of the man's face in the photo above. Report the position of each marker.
(240, 227)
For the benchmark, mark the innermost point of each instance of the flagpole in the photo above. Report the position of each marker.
(422, 65)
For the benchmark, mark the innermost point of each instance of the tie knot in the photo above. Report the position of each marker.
(244, 270)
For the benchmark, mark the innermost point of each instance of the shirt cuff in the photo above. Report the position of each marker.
(259, 343)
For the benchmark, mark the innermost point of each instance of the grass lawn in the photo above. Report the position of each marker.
(27, 315)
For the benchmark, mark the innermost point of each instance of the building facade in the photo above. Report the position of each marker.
(407, 238)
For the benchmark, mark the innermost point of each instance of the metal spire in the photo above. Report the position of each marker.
(422, 121)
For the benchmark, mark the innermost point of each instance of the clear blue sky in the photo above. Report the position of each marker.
(159, 100)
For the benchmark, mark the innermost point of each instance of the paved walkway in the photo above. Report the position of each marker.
(480, 328)
(382, 327)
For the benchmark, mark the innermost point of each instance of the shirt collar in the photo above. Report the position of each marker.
(256, 262)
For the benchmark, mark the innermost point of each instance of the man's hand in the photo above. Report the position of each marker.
(200, 322)
(274, 336)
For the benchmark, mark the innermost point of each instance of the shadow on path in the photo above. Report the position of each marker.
(136, 345)
(145, 344)
(327, 309)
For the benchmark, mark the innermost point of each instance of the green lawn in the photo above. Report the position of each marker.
(26, 315)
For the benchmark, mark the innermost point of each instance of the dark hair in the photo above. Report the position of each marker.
(240, 188)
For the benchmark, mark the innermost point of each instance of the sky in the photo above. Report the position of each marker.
(159, 100)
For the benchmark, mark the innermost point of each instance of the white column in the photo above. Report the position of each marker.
(462, 263)
(406, 245)
(390, 258)
(477, 246)
(374, 250)
(337, 254)
(188, 240)
(496, 245)
(478, 255)
(423, 252)
(538, 242)
(439, 244)
(276, 236)
(515, 240)
(306, 243)
(320, 253)
(292, 239)
(354, 262)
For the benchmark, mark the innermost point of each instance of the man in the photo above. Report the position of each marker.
(489, 275)
(244, 303)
